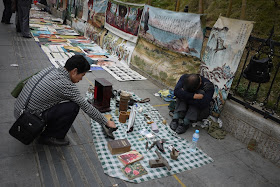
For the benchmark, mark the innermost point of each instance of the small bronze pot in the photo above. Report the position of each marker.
(122, 117)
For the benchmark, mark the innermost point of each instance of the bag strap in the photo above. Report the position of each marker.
(28, 98)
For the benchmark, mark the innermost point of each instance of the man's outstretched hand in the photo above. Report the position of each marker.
(111, 124)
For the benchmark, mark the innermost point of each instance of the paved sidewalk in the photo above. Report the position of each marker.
(77, 164)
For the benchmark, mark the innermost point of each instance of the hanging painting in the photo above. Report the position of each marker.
(176, 31)
(123, 19)
(222, 55)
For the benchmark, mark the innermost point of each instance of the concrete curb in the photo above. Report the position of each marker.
(244, 125)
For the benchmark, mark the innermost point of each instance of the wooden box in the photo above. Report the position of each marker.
(102, 95)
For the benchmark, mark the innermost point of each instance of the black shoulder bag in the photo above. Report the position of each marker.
(258, 69)
(29, 125)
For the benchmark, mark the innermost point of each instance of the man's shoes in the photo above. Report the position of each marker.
(174, 124)
(8, 23)
(53, 141)
(28, 36)
(182, 128)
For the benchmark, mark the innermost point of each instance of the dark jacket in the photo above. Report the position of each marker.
(206, 88)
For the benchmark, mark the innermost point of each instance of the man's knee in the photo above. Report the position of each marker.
(64, 109)
(182, 114)
(71, 107)
(76, 107)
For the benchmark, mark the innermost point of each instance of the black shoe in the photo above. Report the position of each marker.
(174, 124)
(182, 128)
(53, 141)
(8, 23)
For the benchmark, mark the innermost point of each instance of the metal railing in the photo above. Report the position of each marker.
(251, 96)
(262, 98)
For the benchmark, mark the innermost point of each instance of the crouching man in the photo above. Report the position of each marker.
(57, 99)
(193, 95)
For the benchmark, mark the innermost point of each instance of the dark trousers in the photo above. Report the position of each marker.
(59, 119)
(7, 13)
(23, 16)
(189, 112)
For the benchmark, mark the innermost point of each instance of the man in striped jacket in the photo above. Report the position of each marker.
(57, 99)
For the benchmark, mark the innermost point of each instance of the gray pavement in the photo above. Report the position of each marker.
(77, 164)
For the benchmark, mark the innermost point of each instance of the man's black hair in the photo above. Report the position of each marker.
(79, 62)
(192, 83)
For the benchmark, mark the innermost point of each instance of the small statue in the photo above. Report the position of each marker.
(159, 144)
(160, 162)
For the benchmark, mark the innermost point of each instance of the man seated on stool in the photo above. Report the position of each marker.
(57, 99)
(193, 95)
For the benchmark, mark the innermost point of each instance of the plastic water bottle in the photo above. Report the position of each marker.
(194, 141)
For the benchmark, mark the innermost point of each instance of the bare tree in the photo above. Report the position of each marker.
(177, 5)
(229, 8)
(201, 7)
(243, 9)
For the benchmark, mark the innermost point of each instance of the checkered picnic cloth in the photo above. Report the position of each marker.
(111, 164)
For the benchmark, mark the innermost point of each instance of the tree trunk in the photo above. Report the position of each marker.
(201, 7)
(243, 9)
(177, 5)
(149, 2)
(229, 8)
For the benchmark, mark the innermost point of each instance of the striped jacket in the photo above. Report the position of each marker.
(54, 88)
